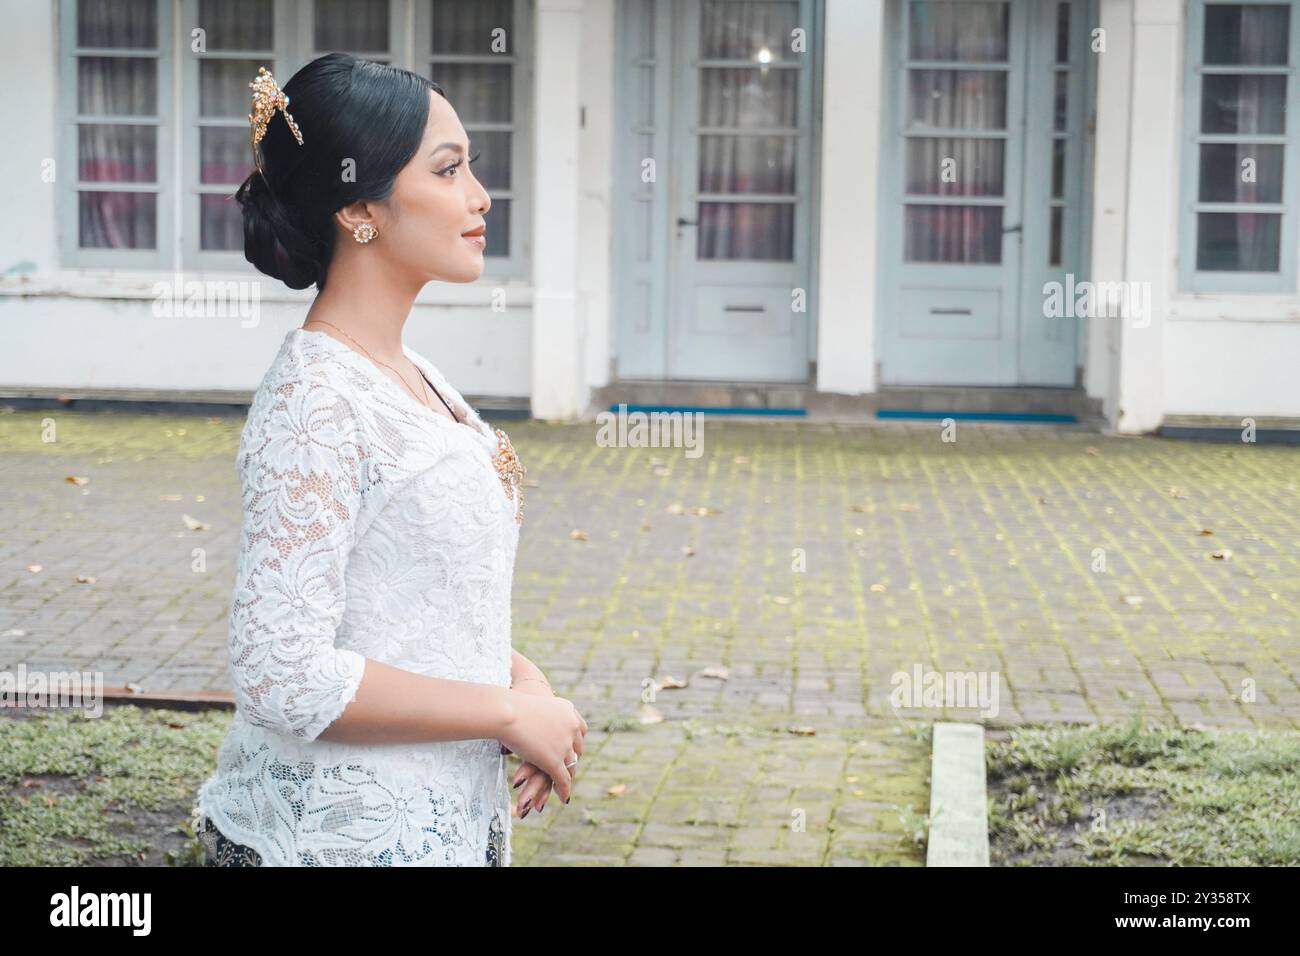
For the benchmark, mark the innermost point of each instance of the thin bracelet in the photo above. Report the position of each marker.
(544, 681)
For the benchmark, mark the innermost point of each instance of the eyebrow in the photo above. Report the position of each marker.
(455, 147)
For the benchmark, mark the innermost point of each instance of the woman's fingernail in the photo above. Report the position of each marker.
(524, 814)
(518, 784)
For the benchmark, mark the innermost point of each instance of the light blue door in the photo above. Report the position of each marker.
(713, 245)
(981, 193)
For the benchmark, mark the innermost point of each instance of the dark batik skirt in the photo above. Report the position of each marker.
(220, 851)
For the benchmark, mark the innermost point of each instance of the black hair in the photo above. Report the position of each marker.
(347, 109)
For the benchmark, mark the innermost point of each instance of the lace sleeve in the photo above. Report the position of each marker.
(302, 474)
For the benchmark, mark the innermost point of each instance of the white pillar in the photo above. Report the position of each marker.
(1110, 192)
(558, 383)
(850, 156)
(1154, 169)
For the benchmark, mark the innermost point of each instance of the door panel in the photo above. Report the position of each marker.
(976, 162)
(728, 209)
(958, 161)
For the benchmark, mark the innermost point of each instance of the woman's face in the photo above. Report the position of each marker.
(435, 201)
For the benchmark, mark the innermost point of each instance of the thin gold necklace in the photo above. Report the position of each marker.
(419, 398)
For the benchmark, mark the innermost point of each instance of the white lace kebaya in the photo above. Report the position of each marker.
(372, 527)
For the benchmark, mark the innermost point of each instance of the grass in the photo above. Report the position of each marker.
(1137, 794)
(112, 790)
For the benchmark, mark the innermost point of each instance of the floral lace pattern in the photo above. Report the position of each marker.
(376, 528)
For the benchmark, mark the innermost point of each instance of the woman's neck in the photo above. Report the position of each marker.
(371, 311)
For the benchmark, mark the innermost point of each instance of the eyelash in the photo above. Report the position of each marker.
(446, 169)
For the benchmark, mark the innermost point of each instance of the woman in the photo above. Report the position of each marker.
(376, 689)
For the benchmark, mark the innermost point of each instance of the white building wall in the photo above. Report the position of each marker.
(1202, 354)
(850, 163)
(77, 329)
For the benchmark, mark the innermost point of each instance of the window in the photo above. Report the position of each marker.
(472, 49)
(116, 134)
(140, 202)
(1240, 222)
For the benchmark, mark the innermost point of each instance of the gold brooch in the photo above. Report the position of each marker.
(267, 98)
(511, 471)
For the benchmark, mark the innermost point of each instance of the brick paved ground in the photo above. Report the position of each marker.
(1074, 569)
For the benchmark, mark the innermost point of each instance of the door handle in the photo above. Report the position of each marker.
(1016, 228)
(682, 221)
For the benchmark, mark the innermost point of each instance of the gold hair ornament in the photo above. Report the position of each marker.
(267, 98)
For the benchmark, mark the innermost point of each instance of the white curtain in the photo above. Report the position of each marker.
(747, 98)
(1252, 104)
(955, 99)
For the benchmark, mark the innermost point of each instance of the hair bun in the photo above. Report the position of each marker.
(275, 240)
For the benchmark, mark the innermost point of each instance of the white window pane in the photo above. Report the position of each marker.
(127, 24)
(481, 93)
(757, 31)
(1249, 34)
(117, 220)
(1238, 242)
(351, 25)
(953, 234)
(117, 154)
(238, 24)
(473, 26)
(960, 31)
(225, 155)
(221, 225)
(223, 87)
(1243, 104)
(117, 86)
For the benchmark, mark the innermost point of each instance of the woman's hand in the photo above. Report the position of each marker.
(536, 784)
(545, 731)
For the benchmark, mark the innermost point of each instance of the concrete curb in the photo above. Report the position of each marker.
(959, 833)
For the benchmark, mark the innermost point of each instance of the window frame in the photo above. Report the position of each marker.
(1190, 278)
(69, 206)
(180, 191)
(516, 263)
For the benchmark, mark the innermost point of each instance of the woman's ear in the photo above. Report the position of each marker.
(354, 214)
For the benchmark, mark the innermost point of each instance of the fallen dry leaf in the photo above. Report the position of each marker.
(1133, 600)
(650, 715)
(663, 471)
(617, 790)
(909, 507)
(716, 671)
(1205, 531)
(135, 688)
(780, 599)
(741, 460)
(85, 579)
(1092, 451)
(688, 551)
(578, 535)
(169, 497)
(878, 588)
(669, 682)
(194, 524)
(803, 731)
(1223, 554)
(1177, 493)
(675, 508)
(35, 568)
(77, 480)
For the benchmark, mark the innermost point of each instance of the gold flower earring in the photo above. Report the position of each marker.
(364, 232)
